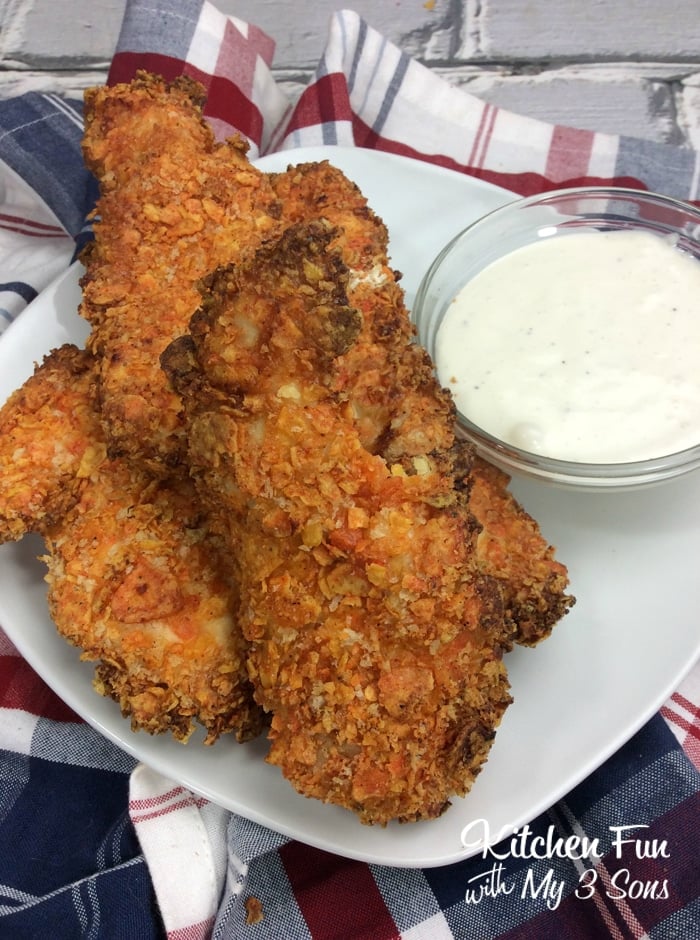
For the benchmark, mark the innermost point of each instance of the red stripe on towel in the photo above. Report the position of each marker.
(225, 101)
(337, 897)
(569, 153)
(21, 688)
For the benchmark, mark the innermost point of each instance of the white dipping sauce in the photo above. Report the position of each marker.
(583, 347)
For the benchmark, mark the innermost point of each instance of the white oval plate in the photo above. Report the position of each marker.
(607, 668)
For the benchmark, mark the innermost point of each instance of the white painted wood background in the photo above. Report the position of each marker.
(624, 66)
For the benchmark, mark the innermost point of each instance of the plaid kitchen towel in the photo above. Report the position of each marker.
(92, 845)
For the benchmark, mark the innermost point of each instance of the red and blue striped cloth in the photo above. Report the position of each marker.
(94, 845)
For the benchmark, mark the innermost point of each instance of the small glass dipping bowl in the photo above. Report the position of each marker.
(523, 222)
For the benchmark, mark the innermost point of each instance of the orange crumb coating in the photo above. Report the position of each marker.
(47, 445)
(397, 406)
(135, 578)
(140, 585)
(512, 549)
(173, 205)
(400, 410)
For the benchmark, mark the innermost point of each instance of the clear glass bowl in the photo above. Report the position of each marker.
(522, 222)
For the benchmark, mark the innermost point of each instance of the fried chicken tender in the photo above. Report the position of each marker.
(173, 205)
(400, 410)
(135, 578)
(375, 638)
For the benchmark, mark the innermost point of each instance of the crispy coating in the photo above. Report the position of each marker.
(511, 548)
(47, 447)
(138, 582)
(173, 205)
(135, 579)
(375, 638)
(401, 411)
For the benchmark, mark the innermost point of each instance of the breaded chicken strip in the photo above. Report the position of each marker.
(375, 639)
(173, 205)
(135, 579)
(400, 410)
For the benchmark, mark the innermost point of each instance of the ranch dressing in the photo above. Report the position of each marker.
(583, 347)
